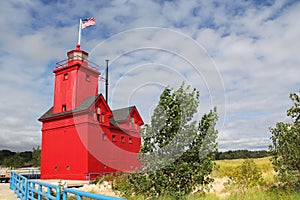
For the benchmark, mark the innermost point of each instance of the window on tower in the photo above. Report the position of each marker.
(66, 76)
(87, 77)
(64, 108)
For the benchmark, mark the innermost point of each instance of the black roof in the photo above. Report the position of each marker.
(83, 106)
(118, 114)
(122, 113)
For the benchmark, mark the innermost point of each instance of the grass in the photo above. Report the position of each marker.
(252, 194)
(225, 166)
(265, 195)
(265, 191)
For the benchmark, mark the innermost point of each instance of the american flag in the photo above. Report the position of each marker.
(102, 79)
(88, 22)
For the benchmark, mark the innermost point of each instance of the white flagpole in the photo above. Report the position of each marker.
(79, 31)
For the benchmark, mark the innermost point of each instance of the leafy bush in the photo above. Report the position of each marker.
(98, 180)
(246, 176)
(122, 184)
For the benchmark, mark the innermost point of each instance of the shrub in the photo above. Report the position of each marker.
(246, 176)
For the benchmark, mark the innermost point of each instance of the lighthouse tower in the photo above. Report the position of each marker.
(81, 136)
(75, 80)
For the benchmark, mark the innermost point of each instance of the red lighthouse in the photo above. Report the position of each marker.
(81, 135)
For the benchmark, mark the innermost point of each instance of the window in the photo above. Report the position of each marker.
(68, 167)
(66, 76)
(104, 166)
(56, 168)
(100, 118)
(87, 77)
(103, 136)
(132, 123)
(113, 138)
(130, 140)
(122, 139)
(64, 107)
(98, 114)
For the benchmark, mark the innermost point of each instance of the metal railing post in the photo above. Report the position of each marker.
(58, 193)
(26, 189)
(40, 190)
(11, 181)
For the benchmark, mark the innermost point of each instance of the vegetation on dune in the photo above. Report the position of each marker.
(246, 178)
(259, 185)
(286, 147)
(223, 167)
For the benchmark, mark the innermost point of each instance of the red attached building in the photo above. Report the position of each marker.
(81, 135)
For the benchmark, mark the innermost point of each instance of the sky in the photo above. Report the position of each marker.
(243, 57)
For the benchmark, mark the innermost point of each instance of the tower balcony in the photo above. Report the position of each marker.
(77, 56)
(77, 60)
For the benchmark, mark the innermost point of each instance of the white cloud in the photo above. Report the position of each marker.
(253, 44)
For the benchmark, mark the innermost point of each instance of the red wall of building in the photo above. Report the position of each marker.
(76, 88)
(74, 147)
(86, 87)
(64, 154)
(110, 155)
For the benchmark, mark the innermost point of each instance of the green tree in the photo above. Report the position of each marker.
(5, 154)
(27, 155)
(36, 156)
(15, 161)
(177, 151)
(286, 146)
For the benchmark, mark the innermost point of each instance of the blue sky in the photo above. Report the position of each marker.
(241, 55)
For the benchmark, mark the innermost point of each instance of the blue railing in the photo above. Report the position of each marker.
(29, 189)
(18, 184)
(35, 190)
(81, 194)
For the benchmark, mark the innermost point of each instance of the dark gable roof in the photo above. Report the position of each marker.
(83, 106)
(122, 113)
(118, 115)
